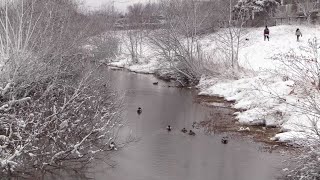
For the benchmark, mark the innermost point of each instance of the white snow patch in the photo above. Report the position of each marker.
(265, 98)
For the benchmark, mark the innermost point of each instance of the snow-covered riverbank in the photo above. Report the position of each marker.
(263, 96)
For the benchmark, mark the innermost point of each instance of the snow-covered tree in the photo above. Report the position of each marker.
(309, 8)
(249, 6)
(179, 44)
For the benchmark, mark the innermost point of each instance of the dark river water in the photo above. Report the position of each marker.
(162, 155)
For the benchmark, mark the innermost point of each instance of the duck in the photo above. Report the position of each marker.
(169, 128)
(139, 111)
(112, 146)
(192, 133)
(184, 130)
(155, 83)
(224, 140)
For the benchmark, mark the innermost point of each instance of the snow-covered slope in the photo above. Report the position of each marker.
(263, 96)
(258, 52)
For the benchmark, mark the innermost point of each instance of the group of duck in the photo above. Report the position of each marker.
(184, 130)
(224, 139)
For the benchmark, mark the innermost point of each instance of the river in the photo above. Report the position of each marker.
(162, 155)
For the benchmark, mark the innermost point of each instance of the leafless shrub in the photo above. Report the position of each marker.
(179, 44)
(178, 53)
(104, 46)
(54, 116)
(303, 69)
(57, 126)
(306, 164)
(133, 43)
(231, 38)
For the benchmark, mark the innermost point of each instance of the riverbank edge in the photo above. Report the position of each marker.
(166, 78)
(258, 133)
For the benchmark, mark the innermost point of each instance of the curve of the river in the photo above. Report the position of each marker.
(162, 155)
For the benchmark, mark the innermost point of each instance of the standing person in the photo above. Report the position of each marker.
(266, 33)
(298, 34)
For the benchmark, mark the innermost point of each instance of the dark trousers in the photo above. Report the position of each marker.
(266, 36)
(298, 36)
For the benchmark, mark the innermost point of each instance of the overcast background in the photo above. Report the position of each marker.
(118, 4)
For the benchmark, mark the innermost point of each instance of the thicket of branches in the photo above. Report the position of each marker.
(178, 43)
(307, 8)
(304, 69)
(53, 115)
(187, 22)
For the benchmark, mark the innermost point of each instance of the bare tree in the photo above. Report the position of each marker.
(308, 8)
(231, 38)
(179, 44)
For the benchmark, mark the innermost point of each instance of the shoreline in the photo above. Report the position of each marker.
(228, 123)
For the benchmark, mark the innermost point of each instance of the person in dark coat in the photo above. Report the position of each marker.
(298, 34)
(266, 33)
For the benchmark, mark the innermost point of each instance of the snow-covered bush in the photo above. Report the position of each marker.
(303, 69)
(179, 43)
(133, 42)
(306, 164)
(104, 46)
(55, 125)
(184, 54)
(53, 115)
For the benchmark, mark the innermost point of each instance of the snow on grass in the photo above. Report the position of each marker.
(148, 66)
(146, 61)
(257, 54)
(265, 98)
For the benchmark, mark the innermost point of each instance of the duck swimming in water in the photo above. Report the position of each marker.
(192, 133)
(155, 83)
(169, 128)
(224, 140)
(112, 146)
(184, 130)
(139, 111)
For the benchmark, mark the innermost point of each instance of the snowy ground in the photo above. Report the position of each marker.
(147, 62)
(265, 98)
(124, 61)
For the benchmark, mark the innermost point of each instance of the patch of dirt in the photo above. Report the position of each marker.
(222, 120)
(211, 99)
